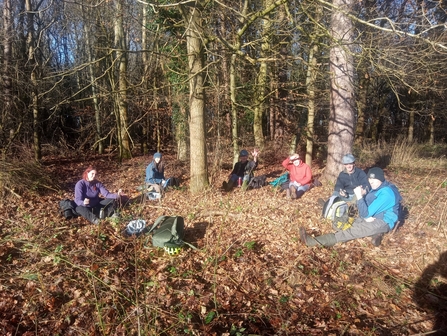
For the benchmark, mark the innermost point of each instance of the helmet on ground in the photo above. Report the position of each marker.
(135, 227)
(348, 158)
(243, 153)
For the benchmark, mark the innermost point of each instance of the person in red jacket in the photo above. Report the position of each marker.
(300, 176)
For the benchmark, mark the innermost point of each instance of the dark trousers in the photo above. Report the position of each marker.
(92, 213)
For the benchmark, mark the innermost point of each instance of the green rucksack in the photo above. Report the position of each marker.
(168, 232)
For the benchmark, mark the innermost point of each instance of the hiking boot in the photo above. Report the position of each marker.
(376, 240)
(326, 240)
(321, 202)
(224, 185)
(292, 190)
(96, 221)
(299, 193)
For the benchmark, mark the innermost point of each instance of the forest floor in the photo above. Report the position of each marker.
(250, 275)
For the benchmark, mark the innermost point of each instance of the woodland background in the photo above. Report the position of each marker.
(109, 82)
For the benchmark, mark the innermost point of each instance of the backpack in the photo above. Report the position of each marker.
(335, 208)
(168, 232)
(284, 178)
(68, 209)
(172, 182)
(257, 182)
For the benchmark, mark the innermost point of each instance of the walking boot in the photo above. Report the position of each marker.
(299, 193)
(306, 239)
(292, 190)
(229, 186)
(326, 240)
(376, 240)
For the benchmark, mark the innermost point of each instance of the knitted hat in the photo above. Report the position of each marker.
(376, 173)
(348, 158)
(243, 153)
(157, 155)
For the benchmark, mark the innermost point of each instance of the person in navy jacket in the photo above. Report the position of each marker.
(378, 214)
(350, 178)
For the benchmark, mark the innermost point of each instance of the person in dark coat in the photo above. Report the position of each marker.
(243, 169)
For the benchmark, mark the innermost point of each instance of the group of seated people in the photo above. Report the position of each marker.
(377, 200)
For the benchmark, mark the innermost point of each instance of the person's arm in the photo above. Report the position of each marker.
(286, 163)
(339, 183)
(363, 180)
(79, 193)
(104, 192)
(150, 173)
(307, 175)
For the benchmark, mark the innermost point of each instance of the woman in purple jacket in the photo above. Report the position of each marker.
(89, 204)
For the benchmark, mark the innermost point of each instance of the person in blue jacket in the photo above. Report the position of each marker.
(378, 214)
(155, 171)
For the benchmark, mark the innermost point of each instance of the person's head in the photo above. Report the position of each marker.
(296, 160)
(349, 162)
(376, 177)
(157, 157)
(243, 155)
(89, 174)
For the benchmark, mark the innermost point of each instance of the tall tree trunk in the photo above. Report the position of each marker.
(91, 71)
(261, 85)
(195, 48)
(310, 87)
(121, 57)
(411, 127)
(6, 75)
(234, 124)
(361, 108)
(431, 140)
(32, 63)
(342, 112)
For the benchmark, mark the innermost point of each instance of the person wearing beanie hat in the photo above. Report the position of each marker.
(349, 178)
(242, 169)
(378, 213)
(155, 171)
(300, 176)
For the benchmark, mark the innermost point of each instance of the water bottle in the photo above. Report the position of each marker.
(239, 181)
(101, 213)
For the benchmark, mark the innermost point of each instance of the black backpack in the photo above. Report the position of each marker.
(257, 182)
(172, 182)
(68, 208)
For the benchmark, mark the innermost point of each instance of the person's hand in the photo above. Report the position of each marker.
(343, 193)
(255, 152)
(358, 191)
(86, 201)
(294, 157)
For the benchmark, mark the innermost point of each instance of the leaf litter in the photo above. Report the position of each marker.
(249, 276)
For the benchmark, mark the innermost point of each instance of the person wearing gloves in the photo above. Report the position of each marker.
(378, 214)
(155, 171)
(89, 204)
(300, 176)
(243, 169)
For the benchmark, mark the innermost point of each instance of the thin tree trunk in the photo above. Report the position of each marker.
(234, 124)
(411, 127)
(121, 56)
(98, 116)
(32, 63)
(361, 107)
(310, 86)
